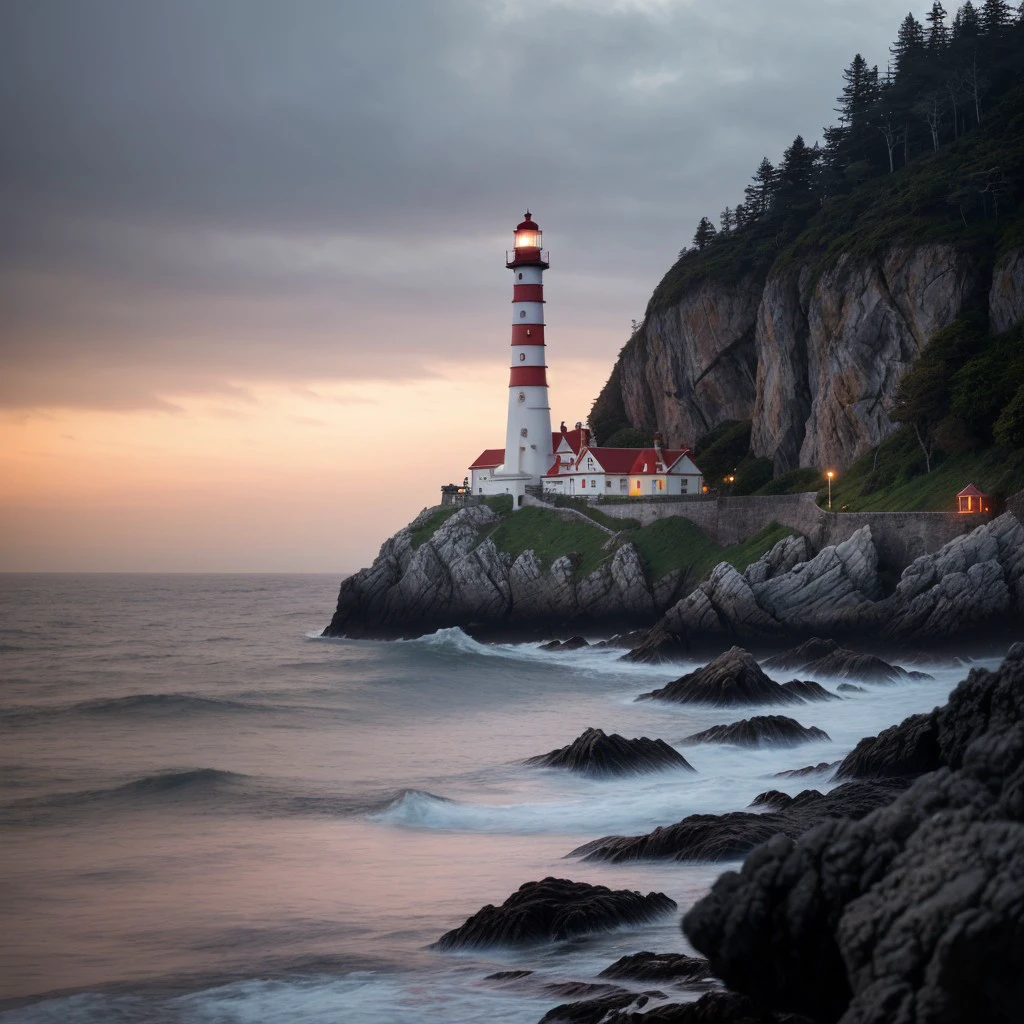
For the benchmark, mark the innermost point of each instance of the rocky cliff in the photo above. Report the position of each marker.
(458, 577)
(975, 581)
(812, 357)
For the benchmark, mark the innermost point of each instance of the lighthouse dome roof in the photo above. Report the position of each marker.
(528, 224)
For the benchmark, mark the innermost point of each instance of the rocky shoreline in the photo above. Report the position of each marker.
(898, 896)
(459, 577)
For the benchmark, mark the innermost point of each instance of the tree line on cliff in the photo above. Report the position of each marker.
(937, 86)
(931, 151)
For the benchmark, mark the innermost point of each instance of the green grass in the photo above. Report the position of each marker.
(427, 529)
(581, 505)
(550, 536)
(676, 543)
(897, 480)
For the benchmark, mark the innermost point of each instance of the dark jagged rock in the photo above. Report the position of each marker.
(711, 1008)
(555, 909)
(761, 731)
(850, 688)
(574, 643)
(776, 799)
(646, 966)
(915, 913)
(811, 769)
(594, 1011)
(807, 689)
(826, 658)
(904, 750)
(508, 976)
(657, 647)
(714, 837)
(797, 657)
(734, 677)
(595, 753)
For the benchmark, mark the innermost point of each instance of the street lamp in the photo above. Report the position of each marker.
(830, 473)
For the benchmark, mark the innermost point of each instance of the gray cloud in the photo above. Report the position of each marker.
(195, 193)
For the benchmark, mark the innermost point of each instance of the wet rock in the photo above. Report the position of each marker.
(818, 657)
(711, 1008)
(807, 689)
(734, 677)
(596, 1011)
(905, 750)
(913, 914)
(761, 731)
(595, 753)
(508, 976)
(811, 769)
(554, 909)
(574, 643)
(714, 837)
(645, 966)
(850, 688)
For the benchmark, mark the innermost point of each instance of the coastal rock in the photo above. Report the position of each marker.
(597, 1010)
(901, 751)
(715, 837)
(552, 910)
(734, 677)
(975, 580)
(915, 913)
(458, 577)
(826, 658)
(645, 966)
(761, 731)
(595, 753)
(812, 769)
(574, 643)
(711, 1008)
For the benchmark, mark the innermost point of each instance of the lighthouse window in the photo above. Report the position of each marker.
(522, 396)
(528, 332)
(522, 357)
(520, 275)
(522, 433)
(522, 313)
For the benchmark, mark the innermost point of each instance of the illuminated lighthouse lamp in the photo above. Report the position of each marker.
(527, 241)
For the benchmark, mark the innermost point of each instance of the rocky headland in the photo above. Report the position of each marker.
(458, 576)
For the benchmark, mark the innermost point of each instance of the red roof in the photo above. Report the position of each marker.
(970, 491)
(489, 458)
(528, 224)
(575, 438)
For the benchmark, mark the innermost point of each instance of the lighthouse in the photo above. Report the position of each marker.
(528, 450)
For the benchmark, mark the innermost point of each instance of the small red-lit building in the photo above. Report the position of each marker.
(972, 501)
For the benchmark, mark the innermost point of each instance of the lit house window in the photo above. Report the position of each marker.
(583, 483)
(661, 485)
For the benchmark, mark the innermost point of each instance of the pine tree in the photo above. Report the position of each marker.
(938, 33)
(994, 15)
(704, 234)
(965, 24)
(740, 214)
(727, 221)
(796, 174)
(759, 195)
(909, 47)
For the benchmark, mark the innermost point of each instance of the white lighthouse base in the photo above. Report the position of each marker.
(508, 483)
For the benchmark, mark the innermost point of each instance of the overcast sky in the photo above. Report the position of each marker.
(217, 210)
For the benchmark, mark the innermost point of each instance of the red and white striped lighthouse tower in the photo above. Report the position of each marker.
(528, 452)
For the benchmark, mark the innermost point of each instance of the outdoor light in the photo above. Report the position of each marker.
(830, 473)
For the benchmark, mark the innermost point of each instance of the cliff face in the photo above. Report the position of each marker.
(813, 360)
(694, 364)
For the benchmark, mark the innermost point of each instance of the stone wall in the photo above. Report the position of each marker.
(900, 537)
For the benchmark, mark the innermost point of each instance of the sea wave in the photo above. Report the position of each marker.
(615, 805)
(141, 704)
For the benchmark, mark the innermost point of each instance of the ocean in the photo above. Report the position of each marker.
(210, 814)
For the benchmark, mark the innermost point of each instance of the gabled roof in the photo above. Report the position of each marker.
(611, 460)
(574, 438)
(970, 491)
(647, 461)
(489, 458)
